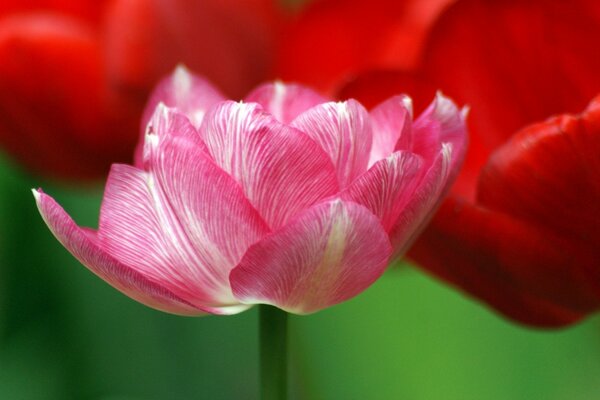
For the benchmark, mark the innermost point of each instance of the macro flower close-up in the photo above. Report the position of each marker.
(285, 198)
(299, 199)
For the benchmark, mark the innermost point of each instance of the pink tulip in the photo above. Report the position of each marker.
(284, 199)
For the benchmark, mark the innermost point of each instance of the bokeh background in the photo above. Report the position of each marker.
(65, 334)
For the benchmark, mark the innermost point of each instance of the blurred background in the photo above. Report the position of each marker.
(67, 335)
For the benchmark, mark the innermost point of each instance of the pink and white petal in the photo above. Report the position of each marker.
(441, 122)
(82, 244)
(344, 131)
(281, 170)
(188, 93)
(387, 187)
(285, 101)
(143, 220)
(423, 203)
(167, 121)
(392, 127)
(330, 253)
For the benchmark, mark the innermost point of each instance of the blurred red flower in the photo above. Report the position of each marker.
(74, 75)
(521, 228)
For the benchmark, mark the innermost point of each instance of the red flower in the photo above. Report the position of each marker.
(520, 230)
(74, 75)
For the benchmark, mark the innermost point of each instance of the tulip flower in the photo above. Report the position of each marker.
(285, 198)
(520, 228)
(75, 75)
(330, 41)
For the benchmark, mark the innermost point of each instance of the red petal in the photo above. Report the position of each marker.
(535, 233)
(492, 257)
(230, 42)
(53, 107)
(334, 39)
(87, 9)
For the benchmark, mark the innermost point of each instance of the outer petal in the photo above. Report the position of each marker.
(344, 131)
(392, 127)
(285, 101)
(499, 260)
(83, 245)
(327, 255)
(184, 223)
(387, 187)
(281, 170)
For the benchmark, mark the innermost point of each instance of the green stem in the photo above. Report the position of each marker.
(273, 353)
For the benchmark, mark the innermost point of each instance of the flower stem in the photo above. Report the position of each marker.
(273, 353)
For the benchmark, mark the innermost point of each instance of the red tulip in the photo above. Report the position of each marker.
(333, 39)
(74, 75)
(520, 230)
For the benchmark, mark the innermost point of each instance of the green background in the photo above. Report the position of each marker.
(65, 334)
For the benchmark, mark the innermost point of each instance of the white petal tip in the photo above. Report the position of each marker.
(408, 104)
(37, 194)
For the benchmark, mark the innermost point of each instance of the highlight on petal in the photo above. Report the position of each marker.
(188, 93)
(84, 245)
(184, 222)
(387, 187)
(441, 122)
(167, 121)
(330, 253)
(344, 131)
(392, 127)
(285, 101)
(281, 170)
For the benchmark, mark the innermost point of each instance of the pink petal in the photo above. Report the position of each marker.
(281, 170)
(188, 93)
(343, 130)
(423, 202)
(330, 253)
(84, 246)
(441, 122)
(285, 101)
(387, 187)
(184, 223)
(166, 121)
(392, 122)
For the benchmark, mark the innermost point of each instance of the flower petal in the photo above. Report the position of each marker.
(167, 121)
(387, 187)
(281, 170)
(285, 101)
(86, 249)
(330, 253)
(188, 93)
(392, 127)
(423, 202)
(525, 273)
(184, 223)
(56, 117)
(441, 122)
(344, 131)
(230, 42)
